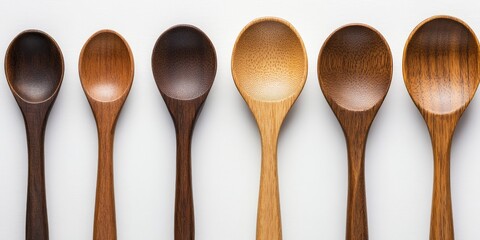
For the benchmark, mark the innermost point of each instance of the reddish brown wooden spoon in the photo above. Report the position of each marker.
(106, 72)
(184, 65)
(355, 71)
(440, 69)
(34, 69)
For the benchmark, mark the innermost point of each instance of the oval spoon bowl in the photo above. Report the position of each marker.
(355, 67)
(104, 51)
(432, 92)
(34, 66)
(255, 74)
(184, 63)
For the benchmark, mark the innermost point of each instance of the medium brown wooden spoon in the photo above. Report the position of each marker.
(440, 69)
(34, 70)
(269, 67)
(184, 65)
(355, 71)
(106, 71)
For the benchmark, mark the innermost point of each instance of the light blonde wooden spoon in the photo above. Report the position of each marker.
(269, 67)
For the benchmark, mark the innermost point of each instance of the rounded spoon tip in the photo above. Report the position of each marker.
(34, 66)
(450, 45)
(355, 67)
(269, 60)
(106, 66)
(184, 62)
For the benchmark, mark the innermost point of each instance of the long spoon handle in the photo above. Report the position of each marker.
(269, 226)
(104, 220)
(37, 221)
(441, 225)
(357, 224)
(184, 214)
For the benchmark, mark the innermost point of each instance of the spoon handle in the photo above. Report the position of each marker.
(357, 224)
(441, 225)
(37, 220)
(184, 213)
(269, 225)
(104, 220)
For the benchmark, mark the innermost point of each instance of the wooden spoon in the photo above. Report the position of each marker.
(269, 67)
(355, 71)
(184, 65)
(106, 71)
(440, 69)
(34, 70)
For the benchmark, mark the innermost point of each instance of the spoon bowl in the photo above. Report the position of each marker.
(104, 51)
(452, 65)
(184, 65)
(355, 68)
(106, 71)
(269, 62)
(34, 66)
(441, 73)
(269, 67)
(354, 71)
(34, 69)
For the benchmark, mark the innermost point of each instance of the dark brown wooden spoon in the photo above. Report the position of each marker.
(184, 65)
(106, 71)
(355, 70)
(34, 70)
(440, 69)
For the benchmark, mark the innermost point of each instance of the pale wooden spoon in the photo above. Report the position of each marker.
(355, 70)
(106, 72)
(269, 67)
(440, 69)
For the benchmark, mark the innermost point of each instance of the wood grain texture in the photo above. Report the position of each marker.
(269, 67)
(441, 73)
(355, 69)
(106, 71)
(34, 69)
(184, 65)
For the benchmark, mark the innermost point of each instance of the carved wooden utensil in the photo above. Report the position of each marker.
(269, 67)
(106, 71)
(184, 65)
(355, 71)
(440, 69)
(34, 70)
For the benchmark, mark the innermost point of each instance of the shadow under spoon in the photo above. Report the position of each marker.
(106, 71)
(34, 69)
(440, 69)
(184, 65)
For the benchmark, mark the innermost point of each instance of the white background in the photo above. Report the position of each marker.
(226, 144)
